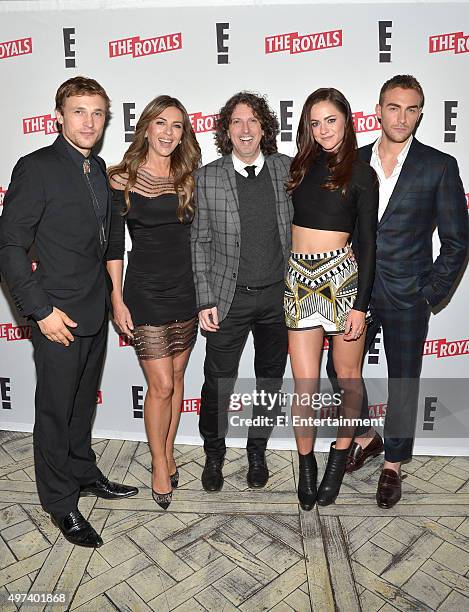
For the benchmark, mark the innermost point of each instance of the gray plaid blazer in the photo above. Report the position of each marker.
(215, 232)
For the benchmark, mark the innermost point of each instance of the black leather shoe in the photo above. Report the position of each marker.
(76, 529)
(107, 489)
(258, 474)
(389, 489)
(307, 488)
(212, 476)
(333, 476)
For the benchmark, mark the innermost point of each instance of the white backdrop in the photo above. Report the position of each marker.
(205, 54)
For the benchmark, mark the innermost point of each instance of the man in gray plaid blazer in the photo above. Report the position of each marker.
(240, 243)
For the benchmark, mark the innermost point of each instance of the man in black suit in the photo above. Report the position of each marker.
(420, 188)
(58, 199)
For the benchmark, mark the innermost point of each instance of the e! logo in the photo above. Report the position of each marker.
(222, 47)
(129, 115)
(384, 46)
(5, 391)
(137, 402)
(429, 409)
(450, 114)
(285, 120)
(69, 42)
(373, 352)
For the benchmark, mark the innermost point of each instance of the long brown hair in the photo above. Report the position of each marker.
(340, 163)
(184, 159)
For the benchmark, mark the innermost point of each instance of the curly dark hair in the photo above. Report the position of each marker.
(262, 112)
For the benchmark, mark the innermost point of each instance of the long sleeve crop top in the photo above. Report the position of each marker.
(319, 208)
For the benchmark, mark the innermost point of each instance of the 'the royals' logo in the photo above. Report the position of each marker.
(365, 123)
(13, 48)
(445, 348)
(458, 42)
(203, 123)
(140, 47)
(303, 43)
(11, 332)
(41, 123)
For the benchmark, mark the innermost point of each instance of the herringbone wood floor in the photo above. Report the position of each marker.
(240, 549)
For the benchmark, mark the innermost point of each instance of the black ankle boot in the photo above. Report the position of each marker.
(332, 479)
(307, 490)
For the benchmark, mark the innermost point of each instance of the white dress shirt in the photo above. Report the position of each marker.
(386, 185)
(240, 165)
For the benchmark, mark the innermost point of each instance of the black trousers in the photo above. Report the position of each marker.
(66, 389)
(259, 311)
(404, 334)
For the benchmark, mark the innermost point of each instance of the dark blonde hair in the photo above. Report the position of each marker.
(79, 86)
(184, 159)
(340, 163)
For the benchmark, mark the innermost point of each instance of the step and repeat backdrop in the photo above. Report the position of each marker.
(202, 55)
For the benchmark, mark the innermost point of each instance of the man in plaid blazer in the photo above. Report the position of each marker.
(240, 243)
(420, 187)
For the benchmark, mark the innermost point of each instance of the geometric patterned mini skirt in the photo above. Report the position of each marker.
(320, 290)
(158, 341)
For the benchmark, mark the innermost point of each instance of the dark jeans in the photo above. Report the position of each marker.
(259, 311)
(67, 384)
(404, 334)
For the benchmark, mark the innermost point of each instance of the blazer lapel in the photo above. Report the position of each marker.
(411, 168)
(232, 190)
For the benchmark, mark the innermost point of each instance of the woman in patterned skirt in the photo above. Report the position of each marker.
(326, 292)
(153, 192)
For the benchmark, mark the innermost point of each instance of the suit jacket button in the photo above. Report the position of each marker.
(234, 274)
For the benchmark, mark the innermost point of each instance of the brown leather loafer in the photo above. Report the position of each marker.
(389, 489)
(358, 455)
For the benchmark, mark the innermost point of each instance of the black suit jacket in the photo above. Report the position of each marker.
(428, 193)
(48, 203)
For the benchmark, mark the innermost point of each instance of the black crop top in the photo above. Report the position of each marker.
(318, 208)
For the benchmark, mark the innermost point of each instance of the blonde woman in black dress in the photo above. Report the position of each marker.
(153, 192)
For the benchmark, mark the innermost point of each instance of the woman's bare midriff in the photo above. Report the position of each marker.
(306, 240)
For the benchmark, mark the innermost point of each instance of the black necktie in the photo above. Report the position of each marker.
(251, 171)
(94, 199)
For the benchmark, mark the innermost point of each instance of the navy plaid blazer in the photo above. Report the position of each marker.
(215, 232)
(428, 193)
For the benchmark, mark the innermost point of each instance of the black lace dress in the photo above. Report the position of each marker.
(159, 287)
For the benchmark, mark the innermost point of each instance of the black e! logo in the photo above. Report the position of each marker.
(129, 115)
(5, 391)
(285, 120)
(137, 402)
(373, 353)
(69, 42)
(222, 47)
(428, 417)
(450, 114)
(384, 46)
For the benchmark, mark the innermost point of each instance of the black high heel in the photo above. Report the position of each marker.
(307, 490)
(174, 478)
(333, 476)
(162, 499)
